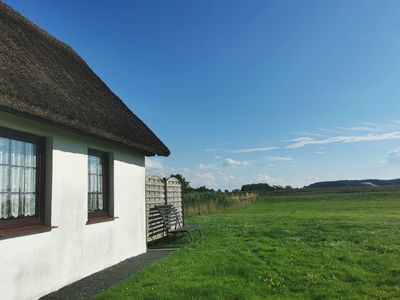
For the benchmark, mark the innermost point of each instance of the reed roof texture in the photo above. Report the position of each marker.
(44, 79)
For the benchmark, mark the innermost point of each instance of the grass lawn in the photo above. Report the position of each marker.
(322, 246)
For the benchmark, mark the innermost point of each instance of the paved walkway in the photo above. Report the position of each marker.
(94, 284)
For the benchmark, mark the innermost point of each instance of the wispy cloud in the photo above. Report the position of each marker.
(359, 128)
(229, 162)
(251, 150)
(279, 158)
(307, 133)
(307, 141)
(212, 149)
(370, 127)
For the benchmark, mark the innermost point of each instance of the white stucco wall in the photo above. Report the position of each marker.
(34, 265)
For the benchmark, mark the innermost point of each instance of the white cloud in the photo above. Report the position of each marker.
(235, 163)
(206, 167)
(262, 178)
(203, 178)
(394, 157)
(154, 167)
(211, 178)
(210, 175)
(153, 164)
(279, 158)
(306, 141)
(251, 150)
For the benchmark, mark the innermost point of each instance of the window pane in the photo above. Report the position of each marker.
(4, 178)
(30, 205)
(30, 180)
(99, 166)
(17, 153)
(94, 163)
(92, 202)
(17, 179)
(30, 155)
(100, 205)
(89, 202)
(15, 205)
(100, 184)
(96, 200)
(92, 183)
(91, 164)
(4, 150)
(4, 206)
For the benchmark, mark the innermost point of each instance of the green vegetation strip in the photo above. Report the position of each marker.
(325, 246)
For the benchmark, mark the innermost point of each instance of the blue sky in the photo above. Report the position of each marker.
(284, 92)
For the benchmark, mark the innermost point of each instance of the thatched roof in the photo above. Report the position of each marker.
(44, 79)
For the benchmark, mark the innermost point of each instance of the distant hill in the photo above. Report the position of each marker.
(354, 183)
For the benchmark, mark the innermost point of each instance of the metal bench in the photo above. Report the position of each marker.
(173, 222)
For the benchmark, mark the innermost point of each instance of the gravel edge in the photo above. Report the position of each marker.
(97, 282)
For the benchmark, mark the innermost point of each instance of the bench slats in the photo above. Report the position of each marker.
(173, 222)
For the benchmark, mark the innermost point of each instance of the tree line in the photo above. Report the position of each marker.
(254, 187)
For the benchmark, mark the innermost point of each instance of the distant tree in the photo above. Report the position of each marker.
(226, 191)
(257, 187)
(203, 189)
(185, 184)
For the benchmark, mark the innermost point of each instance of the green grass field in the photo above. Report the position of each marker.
(321, 246)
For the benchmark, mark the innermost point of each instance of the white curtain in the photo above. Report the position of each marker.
(95, 196)
(18, 178)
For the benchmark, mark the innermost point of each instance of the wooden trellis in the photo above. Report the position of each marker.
(160, 192)
(174, 193)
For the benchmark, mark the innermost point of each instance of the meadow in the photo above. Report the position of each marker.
(289, 246)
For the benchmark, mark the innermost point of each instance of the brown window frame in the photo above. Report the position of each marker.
(40, 142)
(105, 213)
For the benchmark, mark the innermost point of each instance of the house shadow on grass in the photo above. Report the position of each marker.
(170, 242)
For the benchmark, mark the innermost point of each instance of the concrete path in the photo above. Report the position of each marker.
(94, 284)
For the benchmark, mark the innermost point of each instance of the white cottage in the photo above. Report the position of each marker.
(72, 174)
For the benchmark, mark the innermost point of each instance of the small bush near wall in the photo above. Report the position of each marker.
(200, 203)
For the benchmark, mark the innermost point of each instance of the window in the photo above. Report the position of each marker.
(21, 179)
(98, 196)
